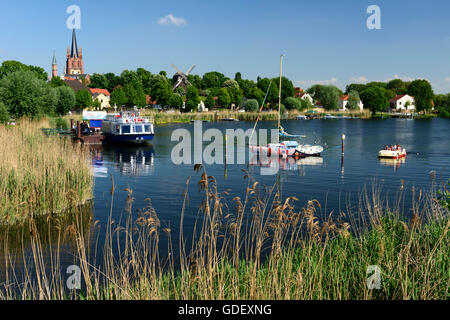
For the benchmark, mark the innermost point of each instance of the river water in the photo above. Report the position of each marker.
(334, 181)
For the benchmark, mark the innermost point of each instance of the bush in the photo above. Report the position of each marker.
(251, 105)
(26, 95)
(292, 103)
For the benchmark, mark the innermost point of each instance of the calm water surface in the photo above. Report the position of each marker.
(150, 173)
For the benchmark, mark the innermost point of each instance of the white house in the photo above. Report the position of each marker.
(343, 101)
(101, 95)
(201, 107)
(403, 102)
(307, 96)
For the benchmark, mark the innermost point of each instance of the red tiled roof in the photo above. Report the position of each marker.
(96, 90)
(344, 98)
(397, 97)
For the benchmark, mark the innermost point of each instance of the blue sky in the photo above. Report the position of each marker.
(324, 41)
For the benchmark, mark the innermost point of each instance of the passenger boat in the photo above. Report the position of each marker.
(392, 154)
(127, 127)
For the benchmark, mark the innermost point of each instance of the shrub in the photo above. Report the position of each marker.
(292, 103)
(251, 105)
(4, 114)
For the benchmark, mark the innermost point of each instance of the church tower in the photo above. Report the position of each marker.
(74, 64)
(54, 67)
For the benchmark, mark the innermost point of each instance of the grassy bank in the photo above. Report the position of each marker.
(39, 174)
(262, 247)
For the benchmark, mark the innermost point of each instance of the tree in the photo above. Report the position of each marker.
(235, 95)
(4, 113)
(358, 87)
(135, 94)
(83, 99)
(57, 82)
(328, 97)
(161, 90)
(24, 94)
(374, 99)
(176, 101)
(292, 103)
(353, 100)
(238, 77)
(192, 98)
(11, 66)
(66, 100)
(223, 98)
(287, 88)
(255, 93)
(99, 81)
(251, 105)
(213, 79)
(263, 85)
(210, 102)
(423, 94)
(118, 97)
(396, 85)
(113, 81)
(231, 84)
(195, 80)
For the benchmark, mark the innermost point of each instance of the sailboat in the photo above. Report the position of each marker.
(288, 147)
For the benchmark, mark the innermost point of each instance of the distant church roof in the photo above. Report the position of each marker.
(74, 49)
(54, 58)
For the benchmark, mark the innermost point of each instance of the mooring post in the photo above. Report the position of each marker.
(343, 139)
(71, 125)
(78, 129)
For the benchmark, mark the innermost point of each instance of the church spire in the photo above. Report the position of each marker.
(54, 58)
(74, 49)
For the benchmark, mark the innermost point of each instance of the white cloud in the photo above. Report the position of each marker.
(170, 19)
(447, 79)
(360, 79)
(309, 83)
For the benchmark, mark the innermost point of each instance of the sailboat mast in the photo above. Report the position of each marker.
(279, 91)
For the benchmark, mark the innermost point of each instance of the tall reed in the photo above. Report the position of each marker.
(261, 247)
(38, 174)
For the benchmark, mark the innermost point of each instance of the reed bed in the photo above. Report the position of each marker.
(259, 247)
(40, 174)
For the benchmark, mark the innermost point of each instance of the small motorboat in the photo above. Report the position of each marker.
(301, 117)
(288, 149)
(329, 117)
(389, 153)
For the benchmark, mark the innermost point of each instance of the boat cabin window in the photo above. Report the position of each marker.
(125, 129)
(147, 128)
(138, 128)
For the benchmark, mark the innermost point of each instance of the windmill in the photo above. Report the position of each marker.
(180, 78)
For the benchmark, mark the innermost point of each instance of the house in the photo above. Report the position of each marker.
(307, 96)
(402, 102)
(101, 95)
(343, 101)
(75, 84)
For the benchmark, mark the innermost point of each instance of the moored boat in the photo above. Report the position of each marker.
(392, 153)
(127, 127)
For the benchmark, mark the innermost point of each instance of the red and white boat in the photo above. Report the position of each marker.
(392, 153)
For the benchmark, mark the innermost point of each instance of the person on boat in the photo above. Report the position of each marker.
(386, 147)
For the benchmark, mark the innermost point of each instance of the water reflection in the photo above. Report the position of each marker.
(132, 160)
(287, 164)
(395, 163)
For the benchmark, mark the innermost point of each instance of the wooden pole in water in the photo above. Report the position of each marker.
(343, 139)
(78, 129)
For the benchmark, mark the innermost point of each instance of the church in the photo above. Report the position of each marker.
(74, 69)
